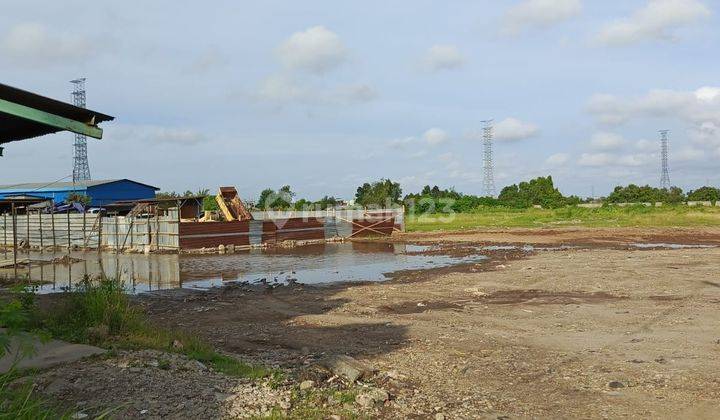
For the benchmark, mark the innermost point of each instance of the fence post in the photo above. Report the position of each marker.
(100, 228)
(42, 244)
(68, 228)
(14, 222)
(5, 232)
(157, 229)
(117, 236)
(84, 228)
(27, 228)
(52, 217)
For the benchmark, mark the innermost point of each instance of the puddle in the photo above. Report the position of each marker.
(526, 248)
(314, 264)
(670, 246)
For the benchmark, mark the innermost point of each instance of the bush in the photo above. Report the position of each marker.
(646, 194)
(704, 194)
(539, 191)
(102, 304)
(381, 193)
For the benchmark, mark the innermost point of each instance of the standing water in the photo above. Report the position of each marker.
(312, 264)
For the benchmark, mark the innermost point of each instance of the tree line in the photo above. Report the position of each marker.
(386, 193)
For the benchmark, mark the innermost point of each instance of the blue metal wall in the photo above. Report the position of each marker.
(57, 195)
(120, 190)
(101, 194)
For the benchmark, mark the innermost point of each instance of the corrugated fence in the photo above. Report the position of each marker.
(168, 233)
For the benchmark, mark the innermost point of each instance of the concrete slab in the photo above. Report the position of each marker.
(48, 354)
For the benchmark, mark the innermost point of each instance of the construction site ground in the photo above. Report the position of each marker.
(584, 324)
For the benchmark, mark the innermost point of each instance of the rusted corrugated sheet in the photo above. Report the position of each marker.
(299, 229)
(195, 235)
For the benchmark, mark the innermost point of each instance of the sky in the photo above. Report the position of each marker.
(327, 95)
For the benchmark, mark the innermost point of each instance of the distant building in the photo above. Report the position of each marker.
(101, 192)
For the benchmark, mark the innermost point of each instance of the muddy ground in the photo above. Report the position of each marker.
(584, 325)
(597, 331)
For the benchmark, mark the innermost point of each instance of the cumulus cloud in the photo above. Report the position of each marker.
(558, 159)
(443, 57)
(153, 134)
(401, 143)
(33, 44)
(533, 14)
(316, 49)
(435, 136)
(606, 141)
(610, 159)
(700, 107)
(657, 20)
(284, 90)
(513, 129)
(646, 145)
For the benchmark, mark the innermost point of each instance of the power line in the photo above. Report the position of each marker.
(664, 170)
(81, 167)
(488, 177)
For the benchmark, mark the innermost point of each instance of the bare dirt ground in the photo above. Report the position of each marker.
(594, 332)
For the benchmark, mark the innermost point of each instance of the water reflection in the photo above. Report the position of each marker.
(314, 264)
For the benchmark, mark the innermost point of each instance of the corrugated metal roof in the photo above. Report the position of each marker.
(60, 186)
(14, 128)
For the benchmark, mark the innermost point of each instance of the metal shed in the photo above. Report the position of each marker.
(101, 192)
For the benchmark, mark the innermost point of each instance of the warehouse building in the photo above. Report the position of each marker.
(101, 192)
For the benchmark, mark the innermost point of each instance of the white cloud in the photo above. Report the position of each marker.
(28, 44)
(606, 141)
(532, 14)
(443, 57)
(512, 129)
(695, 107)
(558, 159)
(153, 135)
(282, 90)
(595, 159)
(655, 21)
(435, 136)
(401, 143)
(646, 145)
(610, 159)
(687, 154)
(316, 49)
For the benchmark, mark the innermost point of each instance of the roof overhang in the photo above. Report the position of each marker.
(24, 115)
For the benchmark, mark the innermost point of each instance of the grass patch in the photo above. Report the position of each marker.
(608, 216)
(100, 313)
(21, 403)
(319, 404)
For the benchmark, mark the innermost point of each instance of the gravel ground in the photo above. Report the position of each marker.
(153, 384)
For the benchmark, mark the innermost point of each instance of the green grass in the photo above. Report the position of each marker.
(21, 403)
(313, 404)
(631, 216)
(100, 313)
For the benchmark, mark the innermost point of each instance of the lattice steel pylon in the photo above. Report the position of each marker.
(488, 177)
(664, 170)
(81, 167)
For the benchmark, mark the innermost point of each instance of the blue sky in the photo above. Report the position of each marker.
(325, 95)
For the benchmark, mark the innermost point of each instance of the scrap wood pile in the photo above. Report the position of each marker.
(230, 205)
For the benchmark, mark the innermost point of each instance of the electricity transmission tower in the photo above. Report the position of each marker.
(81, 168)
(664, 171)
(488, 178)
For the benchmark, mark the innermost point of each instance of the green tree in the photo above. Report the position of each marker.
(276, 200)
(704, 194)
(539, 191)
(379, 193)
